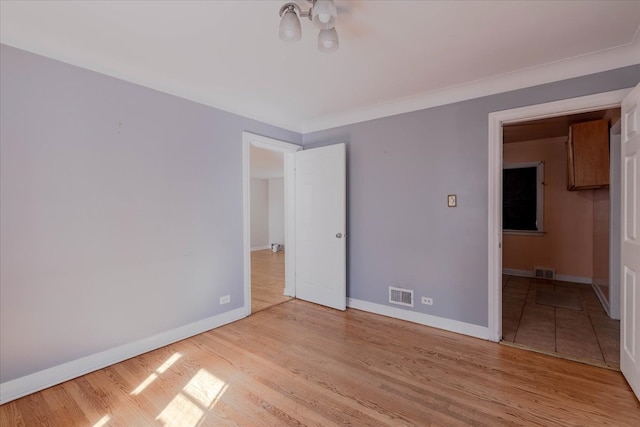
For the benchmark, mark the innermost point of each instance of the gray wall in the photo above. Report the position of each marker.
(400, 170)
(120, 211)
(259, 213)
(121, 207)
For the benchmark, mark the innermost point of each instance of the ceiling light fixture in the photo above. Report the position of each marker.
(323, 14)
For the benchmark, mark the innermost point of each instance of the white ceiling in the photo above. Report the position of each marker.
(395, 56)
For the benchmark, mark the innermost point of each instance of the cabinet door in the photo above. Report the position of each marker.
(589, 155)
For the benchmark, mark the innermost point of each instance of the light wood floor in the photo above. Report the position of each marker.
(588, 335)
(267, 279)
(301, 364)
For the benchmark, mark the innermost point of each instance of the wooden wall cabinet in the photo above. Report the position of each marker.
(588, 155)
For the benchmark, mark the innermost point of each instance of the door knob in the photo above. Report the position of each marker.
(339, 235)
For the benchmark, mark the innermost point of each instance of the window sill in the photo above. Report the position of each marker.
(523, 233)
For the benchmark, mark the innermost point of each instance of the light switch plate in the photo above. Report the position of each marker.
(452, 200)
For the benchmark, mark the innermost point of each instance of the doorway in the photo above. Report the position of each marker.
(556, 293)
(267, 229)
(268, 169)
(315, 221)
(497, 120)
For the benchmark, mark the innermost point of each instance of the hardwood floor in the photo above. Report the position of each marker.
(267, 279)
(586, 334)
(302, 364)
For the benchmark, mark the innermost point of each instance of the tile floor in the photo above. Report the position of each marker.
(587, 335)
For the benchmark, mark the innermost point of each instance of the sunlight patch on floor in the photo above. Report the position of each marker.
(151, 378)
(188, 407)
(102, 421)
(181, 412)
(205, 388)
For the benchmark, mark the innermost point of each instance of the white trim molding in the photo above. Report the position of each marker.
(577, 66)
(14, 389)
(248, 140)
(497, 119)
(591, 63)
(260, 248)
(456, 326)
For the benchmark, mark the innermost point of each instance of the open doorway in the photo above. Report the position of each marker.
(497, 121)
(267, 229)
(557, 294)
(314, 218)
(268, 163)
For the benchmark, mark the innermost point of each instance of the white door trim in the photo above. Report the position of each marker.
(496, 121)
(248, 140)
(615, 215)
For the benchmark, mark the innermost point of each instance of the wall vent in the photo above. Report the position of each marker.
(544, 273)
(401, 296)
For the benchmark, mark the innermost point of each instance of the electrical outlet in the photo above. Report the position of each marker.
(427, 301)
(225, 299)
(452, 200)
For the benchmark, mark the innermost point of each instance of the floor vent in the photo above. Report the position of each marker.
(544, 273)
(401, 296)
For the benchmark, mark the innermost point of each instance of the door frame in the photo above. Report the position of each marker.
(248, 140)
(615, 222)
(497, 119)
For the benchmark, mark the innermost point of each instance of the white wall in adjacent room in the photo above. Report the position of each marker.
(276, 210)
(259, 214)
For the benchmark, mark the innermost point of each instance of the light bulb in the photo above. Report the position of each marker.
(324, 17)
(329, 44)
(290, 30)
(324, 14)
(328, 40)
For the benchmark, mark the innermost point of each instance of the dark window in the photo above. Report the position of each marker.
(520, 198)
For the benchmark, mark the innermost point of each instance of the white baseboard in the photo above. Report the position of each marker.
(561, 277)
(290, 292)
(601, 297)
(14, 389)
(476, 331)
(260, 248)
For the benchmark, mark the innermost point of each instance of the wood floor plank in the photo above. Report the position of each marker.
(267, 279)
(444, 379)
(89, 403)
(320, 361)
(273, 379)
(122, 410)
(290, 370)
(62, 404)
(298, 363)
(35, 411)
(10, 415)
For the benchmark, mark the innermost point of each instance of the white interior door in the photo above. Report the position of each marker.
(320, 249)
(630, 251)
